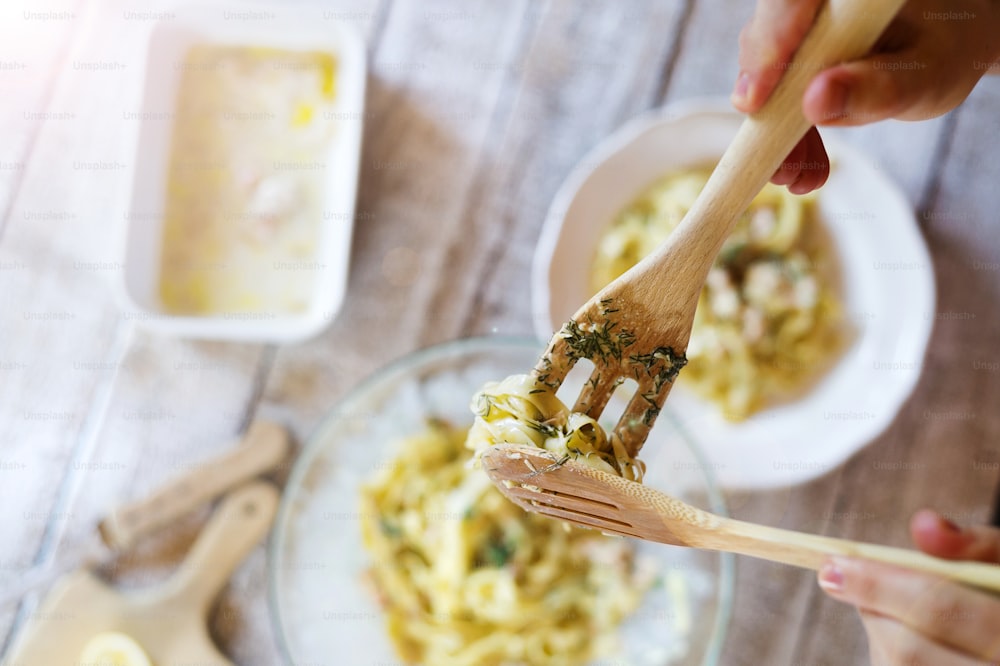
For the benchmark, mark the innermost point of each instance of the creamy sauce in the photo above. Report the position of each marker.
(244, 190)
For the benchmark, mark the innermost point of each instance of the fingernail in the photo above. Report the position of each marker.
(742, 88)
(831, 578)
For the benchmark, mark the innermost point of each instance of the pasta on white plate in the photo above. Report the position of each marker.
(769, 321)
(467, 578)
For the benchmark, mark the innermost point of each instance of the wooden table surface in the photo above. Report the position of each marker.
(476, 111)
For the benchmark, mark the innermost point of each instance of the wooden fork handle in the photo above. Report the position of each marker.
(843, 30)
(810, 550)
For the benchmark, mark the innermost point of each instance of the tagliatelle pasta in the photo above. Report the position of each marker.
(518, 410)
(467, 578)
(769, 321)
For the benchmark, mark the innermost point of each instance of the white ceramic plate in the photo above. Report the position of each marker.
(260, 25)
(888, 288)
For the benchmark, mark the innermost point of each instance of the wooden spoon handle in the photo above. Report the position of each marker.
(263, 448)
(238, 524)
(843, 30)
(809, 551)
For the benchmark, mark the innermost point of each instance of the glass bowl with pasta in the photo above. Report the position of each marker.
(391, 547)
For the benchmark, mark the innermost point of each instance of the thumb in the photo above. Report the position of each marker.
(883, 86)
(937, 536)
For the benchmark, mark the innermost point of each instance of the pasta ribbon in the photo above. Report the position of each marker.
(519, 410)
(466, 578)
(769, 321)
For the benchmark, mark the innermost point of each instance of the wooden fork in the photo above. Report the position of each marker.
(542, 482)
(638, 326)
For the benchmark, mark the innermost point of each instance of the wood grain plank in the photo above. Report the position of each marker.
(198, 396)
(58, 322)
(435, 81)
(136, 408)
(34, 39)
(590, 66)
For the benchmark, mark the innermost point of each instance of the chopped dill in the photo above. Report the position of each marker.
(596, 341)
(546, 429)
(548, 468)
(663, 365)
(498, 552)
(389, 528)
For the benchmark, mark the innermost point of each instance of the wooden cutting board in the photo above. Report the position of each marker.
(169, 620)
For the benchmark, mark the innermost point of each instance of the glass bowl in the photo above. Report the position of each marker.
(324, 613)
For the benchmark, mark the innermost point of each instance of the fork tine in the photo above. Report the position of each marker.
(597, 392)
(581, 504)
(548, 474)
(637, 420)
(516, 499)
(553, 366)
(587, 520)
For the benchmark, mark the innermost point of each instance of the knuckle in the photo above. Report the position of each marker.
(940, 611)
(788, 33)
(793, 21)
(906, 651)
(874, 97)
(888, 90)
(868, 589)
(900, 87)
(752, 47)
(894, 94)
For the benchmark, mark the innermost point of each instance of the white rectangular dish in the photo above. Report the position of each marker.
(323, 273)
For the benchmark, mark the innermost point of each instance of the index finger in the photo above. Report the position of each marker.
(947, 612)
(767, 45)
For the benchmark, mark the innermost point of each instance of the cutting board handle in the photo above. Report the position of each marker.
(263, 448)
(238, 524)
